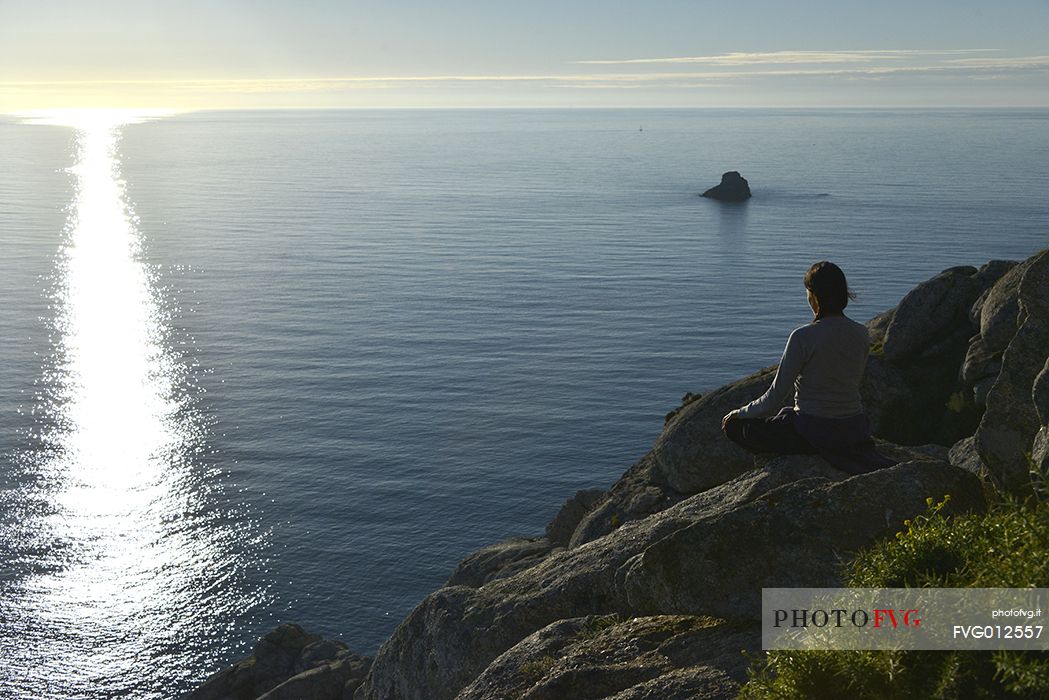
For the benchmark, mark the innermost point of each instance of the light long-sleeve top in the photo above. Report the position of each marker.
(823, 364)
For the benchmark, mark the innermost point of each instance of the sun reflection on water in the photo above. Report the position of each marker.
(130, 563)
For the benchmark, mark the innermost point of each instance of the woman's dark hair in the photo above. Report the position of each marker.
(827, 282)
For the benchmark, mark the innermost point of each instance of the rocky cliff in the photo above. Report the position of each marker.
(651, 589)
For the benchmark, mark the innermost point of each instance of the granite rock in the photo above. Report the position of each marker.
(280, 655)
(500, 560)
(1040, 445)
(964, 455)
(335, 680)
(640, 492)
(639, 569)
(559, 531)
(988, 276)
(999, 309)
(692, 454)
(1006, 434)
(456, 632)
(931, 312)
(665, 656)
(699, 569)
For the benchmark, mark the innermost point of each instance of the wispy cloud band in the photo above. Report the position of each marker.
(792, 57)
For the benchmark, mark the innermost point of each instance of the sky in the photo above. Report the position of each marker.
(241, 54)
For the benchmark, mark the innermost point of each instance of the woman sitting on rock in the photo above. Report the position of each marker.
(823, 363)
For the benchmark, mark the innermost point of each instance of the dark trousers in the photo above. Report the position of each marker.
(774, 435)
(844, 442)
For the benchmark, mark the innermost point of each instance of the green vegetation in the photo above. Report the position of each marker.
(536, 670)
(957, 402)
(1006, 547)
(596, 625)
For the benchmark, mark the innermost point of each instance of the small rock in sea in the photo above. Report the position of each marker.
(733, 188)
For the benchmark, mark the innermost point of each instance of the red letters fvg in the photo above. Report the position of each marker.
(897, 618)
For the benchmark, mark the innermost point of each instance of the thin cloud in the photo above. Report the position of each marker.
(789, 57)
(1018, 62)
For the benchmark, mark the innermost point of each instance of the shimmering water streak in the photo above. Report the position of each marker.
(135, 567)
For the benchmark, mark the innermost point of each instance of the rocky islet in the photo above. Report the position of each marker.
(732, 188)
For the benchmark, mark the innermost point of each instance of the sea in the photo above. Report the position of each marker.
(293, 366)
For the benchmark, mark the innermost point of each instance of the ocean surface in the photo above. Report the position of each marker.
(293, 366)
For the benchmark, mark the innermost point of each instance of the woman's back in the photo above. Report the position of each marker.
(834, 353)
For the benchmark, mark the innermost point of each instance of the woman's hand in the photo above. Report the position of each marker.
(729, 415)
